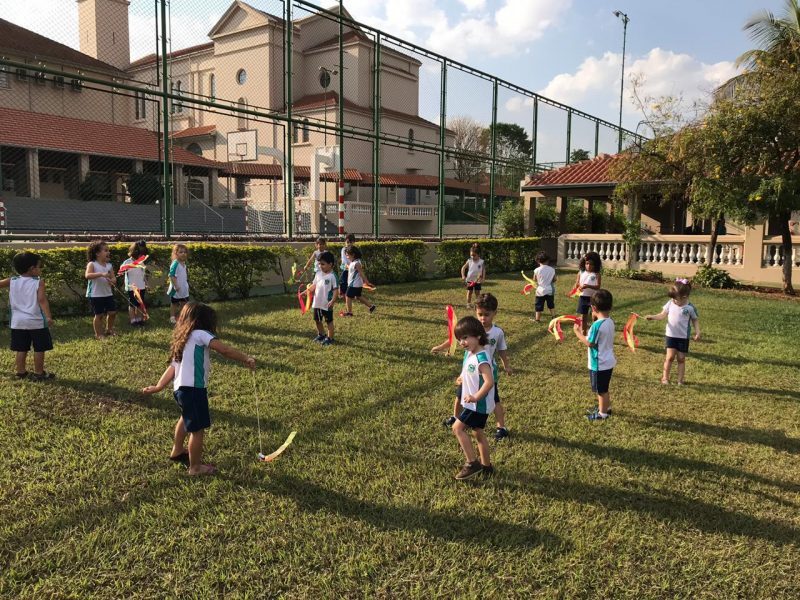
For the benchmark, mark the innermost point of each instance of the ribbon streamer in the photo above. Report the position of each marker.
(451, 329)
(279, 451)
(530, 286)
(137, 264)
(142, 308)
(554, 326)
(628, 336)
(369, 287)
(304, 290)
(574, 291)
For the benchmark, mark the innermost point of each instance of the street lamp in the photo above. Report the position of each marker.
(621, 15)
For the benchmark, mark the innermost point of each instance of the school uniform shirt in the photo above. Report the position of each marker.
(472, 381)
(23, 299)
(353, 276)
(497, 343)
(134, 277)
(679, 319)
(588, 278)
(344, 260)
(195, 364)
(601, 357)
(326, 284)
(179, 271)
(100, 287)
(474, 269)
(544, 275)
(316, 254)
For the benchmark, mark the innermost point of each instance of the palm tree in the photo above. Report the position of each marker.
(778, 39)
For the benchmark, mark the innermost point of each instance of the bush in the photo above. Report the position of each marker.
(144, 188)
(546, 223)
(643, 275)
(708, 276)
(387, 262)
(511, 219)
(501, 255)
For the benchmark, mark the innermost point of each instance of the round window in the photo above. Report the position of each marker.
(241, 76)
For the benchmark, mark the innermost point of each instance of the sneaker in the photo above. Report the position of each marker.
(469, 470)
(372, 308)
(319, 337)
(596, 416)
(43, 376)
(449, 421)
(21, 375)
(327, 341)
(345, 314)
(501, 433)
(591, 411)
(487, 470)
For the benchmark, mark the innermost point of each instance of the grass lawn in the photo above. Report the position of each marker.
(688, 492)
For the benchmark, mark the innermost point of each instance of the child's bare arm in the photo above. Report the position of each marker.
(166, 377)
(660, 316)
(503, 354)
(464, 271)
(232, 353)
(441, 347)
(488, 384)
(696, 325)
(578, 329)
(482, 278)
(363, 275)
(334, 299)
(4, 283)
(41, 297)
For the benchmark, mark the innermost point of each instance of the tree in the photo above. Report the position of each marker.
(778, 39)
(512, 152)
(468, 142)
(511, 219)
(578, 155)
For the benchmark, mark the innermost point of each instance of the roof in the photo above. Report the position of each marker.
(151, 58)
(27, 129)
(585, 173)
(348, 37)
(14, 38)
(194, 131)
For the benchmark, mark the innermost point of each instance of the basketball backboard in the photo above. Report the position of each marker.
(243, 145)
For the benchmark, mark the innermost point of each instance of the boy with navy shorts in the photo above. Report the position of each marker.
(600, 344)
(325, 290)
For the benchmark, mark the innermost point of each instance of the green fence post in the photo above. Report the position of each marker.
(288, 167)
(376, 146)
(596, 137)
(535, 132)
(341, 98)
(569, 135)
(493, 159)
(442, 128)
(166, 211)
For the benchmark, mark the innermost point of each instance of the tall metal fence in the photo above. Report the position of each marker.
(264, 118)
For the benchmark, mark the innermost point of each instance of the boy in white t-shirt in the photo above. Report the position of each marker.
(30, 316)
(326, 291)
(473, 273)
(545, 277)
(320, 246)
(588, 281)
(600, 344)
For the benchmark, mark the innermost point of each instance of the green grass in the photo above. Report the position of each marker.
(685, 493)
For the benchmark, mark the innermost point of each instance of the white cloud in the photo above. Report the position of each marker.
(473, 5)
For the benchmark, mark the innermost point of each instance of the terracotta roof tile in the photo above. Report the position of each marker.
(194, 131)
(587, 172)
(151, 58)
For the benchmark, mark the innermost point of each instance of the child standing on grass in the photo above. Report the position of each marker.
(477, 398)
(485, 312)
(681, 315)
(178, 290)
(545, 277)
(100, 276)
(356, 279)
(325, 292)
(30, 316)
(190, 363)
(473, 273)
(344, 264)
(600, 343)
(588, 282)
(135, 278)
(320, 246)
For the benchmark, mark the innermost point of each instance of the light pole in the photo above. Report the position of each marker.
(621, 15)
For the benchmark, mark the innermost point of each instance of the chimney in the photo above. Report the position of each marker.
(104, 32)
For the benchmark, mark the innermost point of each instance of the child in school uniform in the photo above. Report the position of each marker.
(178, 290)
(600, 344)
(356, 280)
(30, 316)
(588, 281)
(320, 246)
(545, 277)
(344, 263)
(325, 290)
(135, 278)
(100, 276)
(473, 273)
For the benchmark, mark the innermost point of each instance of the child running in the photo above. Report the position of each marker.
(344, 263)
(545, 277)
(588, 282)
(325, 292)
(136, 278)
(30, 316)
(356, 280)
(477, 397)
(681, 316)
(600, 344)
(100, 275)
(320, 246)
(178, 290)
(485, 312)
(190, 363)
(473, 273)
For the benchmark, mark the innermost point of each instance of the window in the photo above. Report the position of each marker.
(212, 86)
(5, 80)
(196, 189)
(195, 148)
(58, 82)
(242, 120)
(241, 76)
(40, 78)
(177, 105)
(295, 133)
(140, 104)
(76, 85)
(411, 140)
(22, 75)
(305, 130)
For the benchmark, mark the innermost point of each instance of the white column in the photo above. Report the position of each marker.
(213, 181)
(83, 166)
(34, 185)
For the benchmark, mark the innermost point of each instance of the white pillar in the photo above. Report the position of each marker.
(83, 166)
(213, 181)
(34, 185)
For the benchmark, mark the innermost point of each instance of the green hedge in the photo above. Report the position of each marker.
(385, 262)
(501, 255)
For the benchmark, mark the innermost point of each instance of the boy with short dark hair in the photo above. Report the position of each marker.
(545, 277)
(600, 344)
(325, 289)
(30, 315)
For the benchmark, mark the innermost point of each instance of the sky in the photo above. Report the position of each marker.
(567, 50)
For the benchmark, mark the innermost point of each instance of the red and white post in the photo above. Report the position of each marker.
(2, 217)
(341, 207)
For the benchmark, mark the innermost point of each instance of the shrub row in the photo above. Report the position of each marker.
(501, 255)
(387, 262)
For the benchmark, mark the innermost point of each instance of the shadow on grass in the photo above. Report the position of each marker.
(746, 390)
(741, 360)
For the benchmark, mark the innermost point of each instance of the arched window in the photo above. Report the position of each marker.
(305, 130)
(411, 139)
(242, 120)
(212, 86)
(195, 148)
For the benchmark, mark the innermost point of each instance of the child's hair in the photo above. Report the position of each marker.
(542, 258)
(25, 261)
(486, 302)
(193, 315)
(354, 252)
(177, 247)
(321, 241)
(592, 257)
(137, 249)
(476, 248)
(472, 327)
(602, 300)
(680, 289)
(94, 248)
(326, 257)
(350, 239)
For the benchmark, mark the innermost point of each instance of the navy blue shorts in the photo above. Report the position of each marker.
(473, 419)
(103, 305)
(460, 389)
(133, 300)
(679, 344)
(22, 339)
(193, 403)
(343, 283)
(474, 286)
(320, 314)
(354, 292)
(540, 300)
(174, 300)
(600, 380)
(584, 304)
